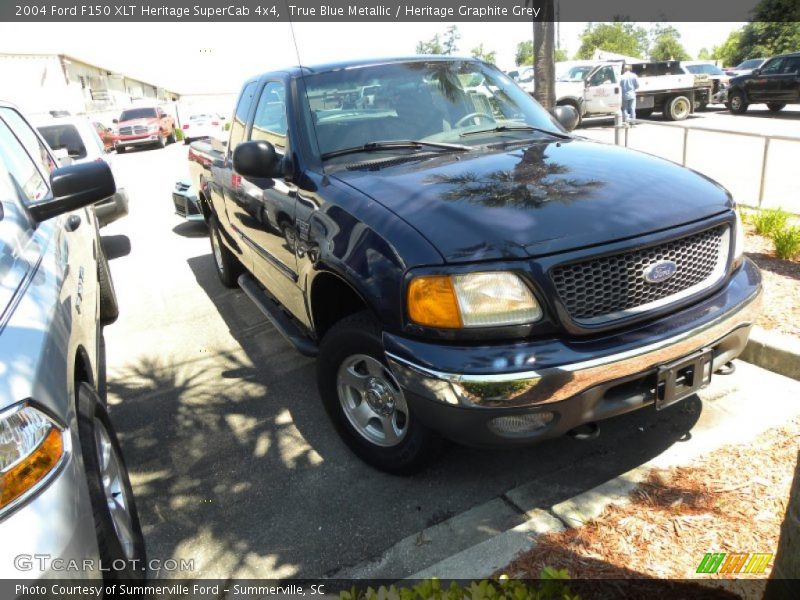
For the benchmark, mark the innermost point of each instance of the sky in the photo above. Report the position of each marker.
(217, 57)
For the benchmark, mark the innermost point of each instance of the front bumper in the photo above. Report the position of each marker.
(150, 138)
(187, 206)
(460, 391)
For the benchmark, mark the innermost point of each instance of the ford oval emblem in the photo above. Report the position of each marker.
(660, 271)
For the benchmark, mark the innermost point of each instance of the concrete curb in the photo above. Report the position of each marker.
(773, 351)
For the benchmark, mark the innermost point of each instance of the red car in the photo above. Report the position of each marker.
(106, 135)
(144, 126)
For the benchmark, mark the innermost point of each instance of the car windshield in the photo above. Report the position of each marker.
(705, 70)
(575, 74)
(65, 137)
(137, 113)
(447, 102)
(202, 117)
(751, 64)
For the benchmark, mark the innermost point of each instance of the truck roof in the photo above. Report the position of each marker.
(297, 71)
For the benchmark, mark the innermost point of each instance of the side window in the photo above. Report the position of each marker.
(269, 123)
(29, 139)
(772, 67)
(604, 75)
(792, 65)
(27, 178)
(240, 116)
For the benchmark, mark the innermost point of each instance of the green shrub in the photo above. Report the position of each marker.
(787, 242)
(178, 135)
(551, 587)
(227, 127)
(769, 221)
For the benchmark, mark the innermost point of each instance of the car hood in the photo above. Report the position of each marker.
(538, 199)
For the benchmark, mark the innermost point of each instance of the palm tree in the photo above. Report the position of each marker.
(544, 67)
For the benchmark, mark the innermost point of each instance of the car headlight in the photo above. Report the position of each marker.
(738, 243)
(152, 128)
(31, 446)
(489, 299)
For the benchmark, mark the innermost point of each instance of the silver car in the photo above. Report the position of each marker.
(66, 507)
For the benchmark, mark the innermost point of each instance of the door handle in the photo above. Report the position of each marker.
(73, 222)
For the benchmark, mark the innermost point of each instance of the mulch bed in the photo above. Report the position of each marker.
(732, 500)
(781, 307)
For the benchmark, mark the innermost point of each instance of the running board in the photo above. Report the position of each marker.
(277, 317)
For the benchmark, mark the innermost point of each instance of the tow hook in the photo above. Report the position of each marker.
(587, 431)
(727, 369)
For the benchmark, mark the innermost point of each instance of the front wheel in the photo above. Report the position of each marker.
(162, 142)
(120, 149)
(365, 401)
(737, 103)
(172, 137)
(678, 108)
(228, 266)
(775, 106)
(116, 521)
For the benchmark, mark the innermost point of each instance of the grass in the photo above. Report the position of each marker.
(787, 242)
(769, 220)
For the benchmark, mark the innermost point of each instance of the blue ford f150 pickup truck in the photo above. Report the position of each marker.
(462, 266)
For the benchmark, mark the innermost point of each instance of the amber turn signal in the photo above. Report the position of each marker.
(432, 302)
(33, 468)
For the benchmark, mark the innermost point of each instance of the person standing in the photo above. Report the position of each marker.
(628, 83)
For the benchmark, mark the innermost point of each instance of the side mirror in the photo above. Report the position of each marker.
(257, 159)
(74, 187)
(115, 120)
(566, 116)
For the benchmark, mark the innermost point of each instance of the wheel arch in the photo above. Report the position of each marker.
(332, 298)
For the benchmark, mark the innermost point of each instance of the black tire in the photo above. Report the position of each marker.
(677, 108)
(360, 334)
(737, 103)
(775, 106)
(228, 266)
(122, 560)
(186, 141)
(643, 113)
(120, 149)
(162, 142)
(102, 379)
(172, 137)
(577, 110)
(109, 307)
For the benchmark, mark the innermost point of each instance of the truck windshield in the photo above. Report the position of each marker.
(446, 101)
(138, 113)
(576, 73)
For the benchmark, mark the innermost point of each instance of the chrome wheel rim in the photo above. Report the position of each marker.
(372, 400)
(217, 251)
(112, 478)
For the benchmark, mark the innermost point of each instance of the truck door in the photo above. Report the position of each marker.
(790, 80)
(267, 210)
(766, 86)
(602, 94)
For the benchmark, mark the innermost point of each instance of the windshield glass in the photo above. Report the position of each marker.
(435, 101)
(137, 113)
(751, 64)
(705, 70)
(576, 73)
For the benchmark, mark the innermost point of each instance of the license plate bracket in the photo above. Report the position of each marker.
(682, 378)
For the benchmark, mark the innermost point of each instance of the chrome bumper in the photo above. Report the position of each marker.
(554, 384)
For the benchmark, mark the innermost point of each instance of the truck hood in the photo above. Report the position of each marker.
(538, 199)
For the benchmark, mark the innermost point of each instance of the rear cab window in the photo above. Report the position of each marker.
(64, 137)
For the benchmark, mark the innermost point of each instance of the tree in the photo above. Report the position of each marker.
(666, 44)
(524, 55)
(432, 46)
(561, 55)
(704, 54)
(773, 30)
(487, 55)
(728, 51)
(451, 37)
(544, 66)
(619, 37)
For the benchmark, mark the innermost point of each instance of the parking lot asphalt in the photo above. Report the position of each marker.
(233, 462)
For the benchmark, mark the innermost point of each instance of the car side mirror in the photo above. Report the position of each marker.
(566, 116)
(74, 187)
(257, 159)
(115, 120)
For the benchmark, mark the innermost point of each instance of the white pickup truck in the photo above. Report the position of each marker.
(593, 89)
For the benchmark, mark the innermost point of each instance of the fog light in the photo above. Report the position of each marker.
(522, 423)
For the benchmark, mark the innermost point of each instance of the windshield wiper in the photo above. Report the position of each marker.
(502, 128)
(397, 144)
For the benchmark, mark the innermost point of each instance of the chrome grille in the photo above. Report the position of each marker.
(132, 130)
(612, 287)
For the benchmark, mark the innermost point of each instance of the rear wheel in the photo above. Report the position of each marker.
(228, 266)
(677, 108)
(365, 401)
(775, 106)
(737, 103)
(116, 520)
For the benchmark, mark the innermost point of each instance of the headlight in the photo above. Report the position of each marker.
(31, 446)
(490, 299)
(738, 243)
(152, 128)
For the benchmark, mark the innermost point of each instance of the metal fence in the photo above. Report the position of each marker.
(759, 170)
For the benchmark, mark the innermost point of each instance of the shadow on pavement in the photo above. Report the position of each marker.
(236, 464)
(191, 229)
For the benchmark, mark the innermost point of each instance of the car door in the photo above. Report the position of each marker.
(267, 206)
(766, 85)
(602, 94)
(790, 80)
